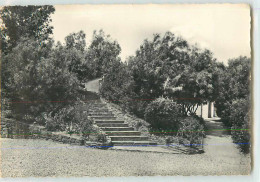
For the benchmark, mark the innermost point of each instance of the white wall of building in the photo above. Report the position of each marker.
(204, 109)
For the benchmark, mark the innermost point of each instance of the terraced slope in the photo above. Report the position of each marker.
(119, 131)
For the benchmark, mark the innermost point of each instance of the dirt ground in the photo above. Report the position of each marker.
(41, 158)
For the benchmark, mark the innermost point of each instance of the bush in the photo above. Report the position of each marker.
(163, 115)
(35, 76)
(240, 120)
(192, 130)
(138, 107)
(87, 127)
(51, 124)
(233, 103)
(234, 83)
(69, 119)
(99, 137)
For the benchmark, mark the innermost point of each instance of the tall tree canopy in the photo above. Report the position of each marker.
(102, 52)
(76, 40)
(75, 49)
(93, 61)
(196, 83)
(36, 73)
(168, 66)
(234, 83)
(18, 21)
(234, 100)
(155, 61)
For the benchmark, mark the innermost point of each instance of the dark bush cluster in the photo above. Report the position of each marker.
(42, 82)
(234, 103)
(70, 119)
(164, 67)
(163, 115)
(191, 129)
(166, 119)
(42, 77)
(240, 121)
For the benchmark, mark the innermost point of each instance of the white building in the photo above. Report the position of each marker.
(207, 110)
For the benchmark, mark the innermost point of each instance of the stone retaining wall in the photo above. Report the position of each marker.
(40, 132)
(13, 129)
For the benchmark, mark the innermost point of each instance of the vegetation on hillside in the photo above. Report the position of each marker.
(164, 82)
(168, 67)
(234, 100)
(41, 79)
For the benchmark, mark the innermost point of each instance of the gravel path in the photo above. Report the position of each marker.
(93, 85)
(40, 158)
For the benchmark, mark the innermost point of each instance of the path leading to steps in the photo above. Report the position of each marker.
(45, 158)
(93, 85)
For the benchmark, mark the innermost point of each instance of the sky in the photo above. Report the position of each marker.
(224, 28)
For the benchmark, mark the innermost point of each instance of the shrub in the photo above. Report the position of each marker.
(191, 129)
(163, 115)
(95, 135)
(51, 124)
(138, 107)
(171, 139)
(101, 138)
(69, 119)
(87, 128)
(233, 103)
(234, 83)
(37, 74)
(240, 120)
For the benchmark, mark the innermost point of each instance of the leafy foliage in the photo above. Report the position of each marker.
(165, 66)
(196, 83)
(117, 85)
(234, 83)
(163, 115)
(21, 21)
(76, 40)
(155, 61)
(191, 129)
(233, 102)
(35, 77)
(41, 78)
(74, 61)
(240, 119)
(102, 53)
(70, 119)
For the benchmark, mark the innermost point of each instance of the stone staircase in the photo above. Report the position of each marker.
(120, 133)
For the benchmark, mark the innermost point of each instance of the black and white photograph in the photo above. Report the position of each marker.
(126, 90)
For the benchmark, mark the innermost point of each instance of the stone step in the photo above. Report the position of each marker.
(98, 110)
(128, 138)
(109, 121)
(112, 124)
(98, 105)
(123, 133)
(103, 117)
(94, 108)
(99, 114)
(117, 128)
(119, 131)
(133, 143)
